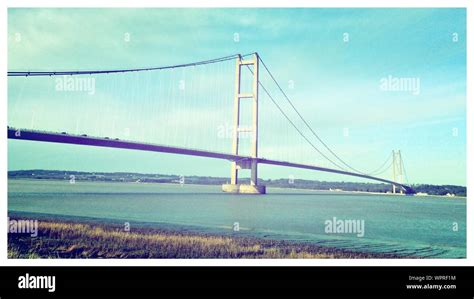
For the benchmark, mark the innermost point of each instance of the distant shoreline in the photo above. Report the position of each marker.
(270, 187)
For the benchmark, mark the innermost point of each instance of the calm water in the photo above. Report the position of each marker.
(399, 224)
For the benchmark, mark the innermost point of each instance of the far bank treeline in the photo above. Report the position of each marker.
(283, 183)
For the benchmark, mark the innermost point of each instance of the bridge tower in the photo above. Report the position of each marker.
(240, 95)
(397, 169)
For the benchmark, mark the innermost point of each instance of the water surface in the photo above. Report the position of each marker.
(405, 225)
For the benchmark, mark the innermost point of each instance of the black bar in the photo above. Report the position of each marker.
(243, 282)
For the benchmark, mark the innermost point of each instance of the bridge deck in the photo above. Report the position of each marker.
(23, 134)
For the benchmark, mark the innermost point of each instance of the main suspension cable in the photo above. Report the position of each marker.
(293, 124)
(91, 72)
(303, 119)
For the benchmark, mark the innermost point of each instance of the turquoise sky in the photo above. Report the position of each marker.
(329, 61)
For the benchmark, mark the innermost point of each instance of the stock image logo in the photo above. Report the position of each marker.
(28, 281)
(23, 226)
(347, 226)
(401, 84)
(75, 84)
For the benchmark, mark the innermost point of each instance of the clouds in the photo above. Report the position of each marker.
(336, 82)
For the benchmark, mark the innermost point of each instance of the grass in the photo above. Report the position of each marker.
(61, 239)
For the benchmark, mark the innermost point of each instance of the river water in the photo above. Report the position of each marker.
(406, 225)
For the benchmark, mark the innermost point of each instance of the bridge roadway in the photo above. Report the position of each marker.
(44, 136)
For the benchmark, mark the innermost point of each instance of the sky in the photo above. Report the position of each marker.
(332, 63)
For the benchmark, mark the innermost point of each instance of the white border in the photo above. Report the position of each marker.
(229, 262)
(244, 3)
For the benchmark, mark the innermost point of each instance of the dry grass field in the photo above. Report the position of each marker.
(85, 240)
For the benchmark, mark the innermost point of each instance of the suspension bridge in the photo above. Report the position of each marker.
(211, 109)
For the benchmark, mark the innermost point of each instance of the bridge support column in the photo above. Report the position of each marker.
(252, 164)
(397, 170)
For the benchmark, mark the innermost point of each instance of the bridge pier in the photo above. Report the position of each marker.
(235, 187)
(252, 164)
(397, 170)
(244, 189)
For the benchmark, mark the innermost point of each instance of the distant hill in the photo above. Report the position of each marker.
(203, 180)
